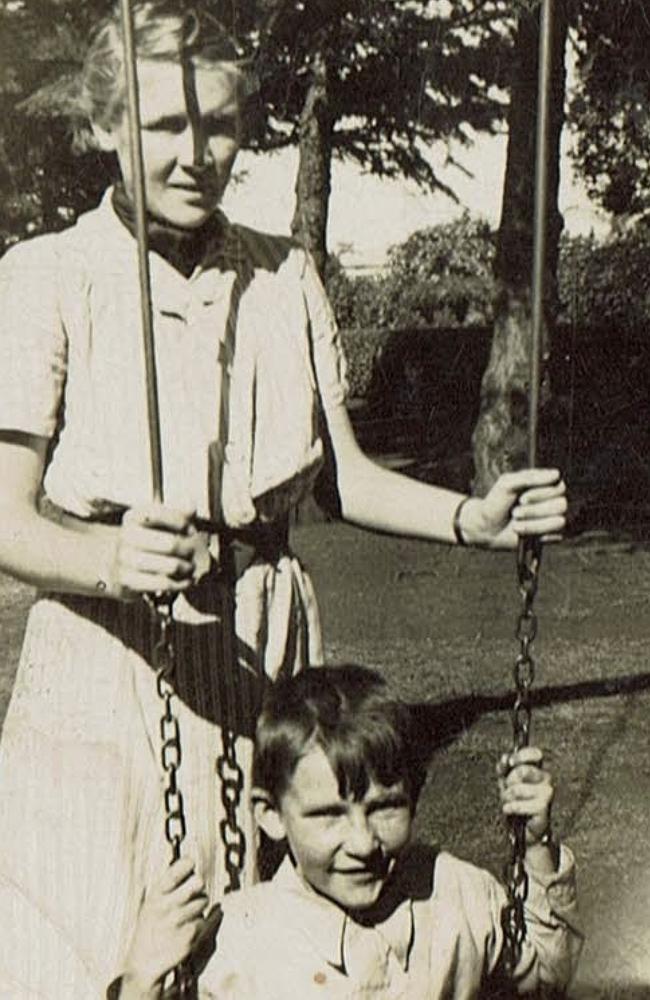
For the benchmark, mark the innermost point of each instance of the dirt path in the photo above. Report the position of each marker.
(440, 622)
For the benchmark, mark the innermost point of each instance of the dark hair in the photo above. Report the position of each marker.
(162, 31)
(365, 732)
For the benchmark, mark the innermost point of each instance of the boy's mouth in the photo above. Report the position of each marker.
(377, 867)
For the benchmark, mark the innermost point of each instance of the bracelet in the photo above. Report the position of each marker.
(114, 990)
(458, 534)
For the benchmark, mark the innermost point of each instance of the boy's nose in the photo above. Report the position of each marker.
(361, 840)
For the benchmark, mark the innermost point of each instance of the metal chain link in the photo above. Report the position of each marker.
(513, 921)
(231, 775)
(170, 757)
(232, 784)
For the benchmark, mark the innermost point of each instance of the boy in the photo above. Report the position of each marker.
(355, 908)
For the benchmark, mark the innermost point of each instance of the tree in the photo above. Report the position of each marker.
(500, 435)
(610, 110)
(376, 81)
(45, 183)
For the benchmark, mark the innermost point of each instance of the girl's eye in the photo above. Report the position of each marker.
(172, 124)
(221, 126)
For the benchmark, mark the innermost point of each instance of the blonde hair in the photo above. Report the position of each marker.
(161, 33)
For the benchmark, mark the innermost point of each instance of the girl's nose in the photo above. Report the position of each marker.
(193, 149)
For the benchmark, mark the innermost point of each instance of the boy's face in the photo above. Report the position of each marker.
(345, 849)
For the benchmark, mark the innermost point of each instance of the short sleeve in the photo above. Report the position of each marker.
(33, 347)
(329, 359)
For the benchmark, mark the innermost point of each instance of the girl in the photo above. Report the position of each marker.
(251, 377)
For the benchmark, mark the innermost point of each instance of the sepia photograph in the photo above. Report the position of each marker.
(324, 499)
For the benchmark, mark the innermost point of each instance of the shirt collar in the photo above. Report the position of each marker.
(329, 927)
(172, 293)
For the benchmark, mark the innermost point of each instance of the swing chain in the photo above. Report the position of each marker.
(170, 753)
(231, 775)
(513, 920)
(231, 778)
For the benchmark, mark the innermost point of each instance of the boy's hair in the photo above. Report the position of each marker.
(349, 712)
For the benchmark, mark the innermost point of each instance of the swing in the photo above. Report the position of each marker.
(228, 768)
(529, 552)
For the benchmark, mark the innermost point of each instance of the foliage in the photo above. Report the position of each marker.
(363, 348)
(400, 74)
(45, 184)
(611, 108)
(606, 283)
(440, 276)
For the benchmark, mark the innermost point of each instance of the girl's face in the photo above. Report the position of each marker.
(190, 138)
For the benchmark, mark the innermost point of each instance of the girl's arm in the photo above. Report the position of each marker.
(151, 551)
(530, 502)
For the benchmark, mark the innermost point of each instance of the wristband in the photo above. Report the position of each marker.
(458, 533)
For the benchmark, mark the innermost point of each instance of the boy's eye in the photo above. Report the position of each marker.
(388, 806)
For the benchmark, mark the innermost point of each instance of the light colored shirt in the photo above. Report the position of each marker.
(247, 353)
(440, 937)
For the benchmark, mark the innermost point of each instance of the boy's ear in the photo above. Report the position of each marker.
(267, 815)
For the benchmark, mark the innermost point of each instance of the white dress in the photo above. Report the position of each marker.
(248, 359)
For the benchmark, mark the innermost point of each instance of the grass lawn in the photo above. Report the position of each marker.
(441, 622)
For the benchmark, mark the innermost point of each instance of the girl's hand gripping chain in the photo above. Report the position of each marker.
(158, 550)
(531, 502)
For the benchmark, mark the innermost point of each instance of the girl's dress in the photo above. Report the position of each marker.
(248, 359)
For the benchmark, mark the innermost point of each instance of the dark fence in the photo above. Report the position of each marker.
(418, 396)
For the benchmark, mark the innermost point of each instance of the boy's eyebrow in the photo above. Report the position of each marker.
(325, 808)
(394, 797)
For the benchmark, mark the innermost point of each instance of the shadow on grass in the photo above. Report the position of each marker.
(438, 725)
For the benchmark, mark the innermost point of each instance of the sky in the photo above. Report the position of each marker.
(369, 214)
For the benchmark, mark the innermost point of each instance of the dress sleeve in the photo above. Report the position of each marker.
(328, 357)
(33, 345)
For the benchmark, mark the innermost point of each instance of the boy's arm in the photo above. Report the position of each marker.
(553, 931)
(553, 939)
(168, 927)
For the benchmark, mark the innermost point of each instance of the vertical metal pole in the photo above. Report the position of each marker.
(139, 200)
(529, 549)
(184, 984)
(540, 226)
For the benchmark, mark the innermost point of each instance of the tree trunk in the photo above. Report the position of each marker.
(500, 435)
(313, 182)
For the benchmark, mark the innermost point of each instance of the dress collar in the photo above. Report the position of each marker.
(172, 292)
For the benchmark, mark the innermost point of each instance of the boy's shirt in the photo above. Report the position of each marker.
(439, 937)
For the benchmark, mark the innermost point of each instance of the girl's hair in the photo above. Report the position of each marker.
(348, 711)
(163, 31)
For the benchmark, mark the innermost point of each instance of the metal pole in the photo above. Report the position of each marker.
(540, 225)
(139, 200)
